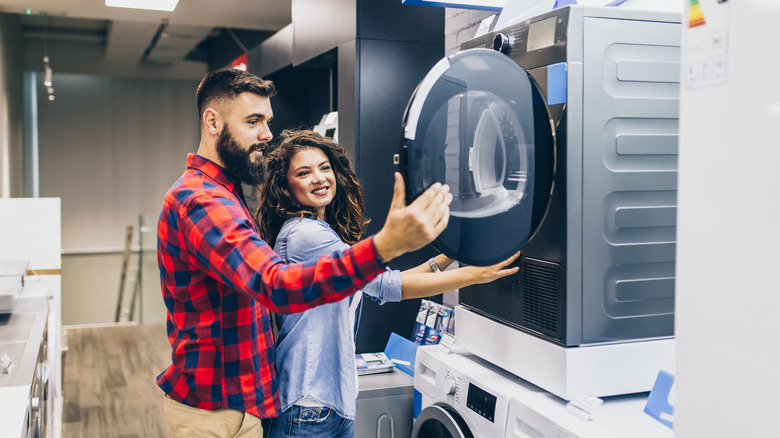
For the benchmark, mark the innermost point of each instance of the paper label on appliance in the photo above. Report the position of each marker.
(6, 364)
(705, 43)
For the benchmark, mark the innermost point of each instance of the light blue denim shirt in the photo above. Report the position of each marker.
(314, 350)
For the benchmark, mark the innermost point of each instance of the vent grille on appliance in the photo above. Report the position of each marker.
(540, 296)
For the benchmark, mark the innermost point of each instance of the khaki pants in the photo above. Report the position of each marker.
(189, 422)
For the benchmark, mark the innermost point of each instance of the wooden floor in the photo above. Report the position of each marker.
(109, 387)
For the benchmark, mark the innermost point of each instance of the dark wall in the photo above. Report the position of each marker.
(219, 50)
(388, 73)
(12, 107)
(273, 54)
(377, 52)
(303, 96)
(392, 20)
(320, 25)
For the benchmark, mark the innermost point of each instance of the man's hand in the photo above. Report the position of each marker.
(409, 228)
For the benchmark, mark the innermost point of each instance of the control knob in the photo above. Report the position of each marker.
(449, 385)
(502, 43)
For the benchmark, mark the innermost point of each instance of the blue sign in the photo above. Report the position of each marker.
(483, 5)
(556, 83)
(659, 402)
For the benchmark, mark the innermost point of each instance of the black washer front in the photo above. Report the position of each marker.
(479, 123)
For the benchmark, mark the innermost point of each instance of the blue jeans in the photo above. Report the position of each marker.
(299, 421)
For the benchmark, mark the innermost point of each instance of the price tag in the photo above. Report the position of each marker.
(6, 364)
(660, 402)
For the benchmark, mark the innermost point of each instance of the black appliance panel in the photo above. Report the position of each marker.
(481, 402)
(479, 123)
(534, 299)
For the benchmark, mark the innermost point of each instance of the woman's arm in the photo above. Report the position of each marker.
(418, 284)
(311, 238)
(442, 260)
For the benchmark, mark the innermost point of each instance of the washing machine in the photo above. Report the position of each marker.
(558, 135)
(464, 396)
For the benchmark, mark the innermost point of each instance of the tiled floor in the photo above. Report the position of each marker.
(109, 387)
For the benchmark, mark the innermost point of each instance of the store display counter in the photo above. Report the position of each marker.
(23, 378)
(385, 405)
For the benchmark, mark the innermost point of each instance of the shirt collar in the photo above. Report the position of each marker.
(213, 170)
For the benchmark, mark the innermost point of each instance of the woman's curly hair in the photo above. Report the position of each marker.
(277, 204)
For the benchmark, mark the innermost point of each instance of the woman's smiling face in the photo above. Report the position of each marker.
(311, 180)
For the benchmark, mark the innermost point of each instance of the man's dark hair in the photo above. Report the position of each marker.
(229, 83)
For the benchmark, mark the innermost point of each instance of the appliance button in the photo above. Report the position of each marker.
(502, 43)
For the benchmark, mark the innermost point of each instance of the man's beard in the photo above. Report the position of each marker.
(237, 161)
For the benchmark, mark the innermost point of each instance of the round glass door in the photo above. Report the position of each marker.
(479, 123)
(440, 421)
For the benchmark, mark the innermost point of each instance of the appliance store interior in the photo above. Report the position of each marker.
(625, 148)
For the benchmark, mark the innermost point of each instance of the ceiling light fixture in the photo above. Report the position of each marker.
(152, 5)
(47, 73)
(47, 81)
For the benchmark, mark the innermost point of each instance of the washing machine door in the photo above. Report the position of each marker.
(479, 123)
(440, 421)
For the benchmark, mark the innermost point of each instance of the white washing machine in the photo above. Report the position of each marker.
(463, 396)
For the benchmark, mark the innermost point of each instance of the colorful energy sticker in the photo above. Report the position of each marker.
(695, 16)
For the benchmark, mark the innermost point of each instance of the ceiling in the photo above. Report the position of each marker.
(85, 36)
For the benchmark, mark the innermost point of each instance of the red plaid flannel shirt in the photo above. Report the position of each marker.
(218, 281)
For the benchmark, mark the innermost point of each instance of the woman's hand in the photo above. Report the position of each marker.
(421, 282)
(486, 274)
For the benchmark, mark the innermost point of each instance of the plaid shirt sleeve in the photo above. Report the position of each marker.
(218, 280)
(224, 244)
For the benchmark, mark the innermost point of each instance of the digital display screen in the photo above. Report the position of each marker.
(541, 34)
(481, 402)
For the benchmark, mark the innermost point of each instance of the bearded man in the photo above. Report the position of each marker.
(219, 279)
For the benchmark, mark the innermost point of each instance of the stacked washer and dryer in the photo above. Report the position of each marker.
(558, 137)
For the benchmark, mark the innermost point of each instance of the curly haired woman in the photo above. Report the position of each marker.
(312, 204)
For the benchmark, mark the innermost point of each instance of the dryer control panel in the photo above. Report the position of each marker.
(531, 43)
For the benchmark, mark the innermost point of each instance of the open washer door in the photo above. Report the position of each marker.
(479, 123)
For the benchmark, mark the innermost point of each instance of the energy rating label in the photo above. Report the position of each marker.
(695, 16)
(706, 43)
